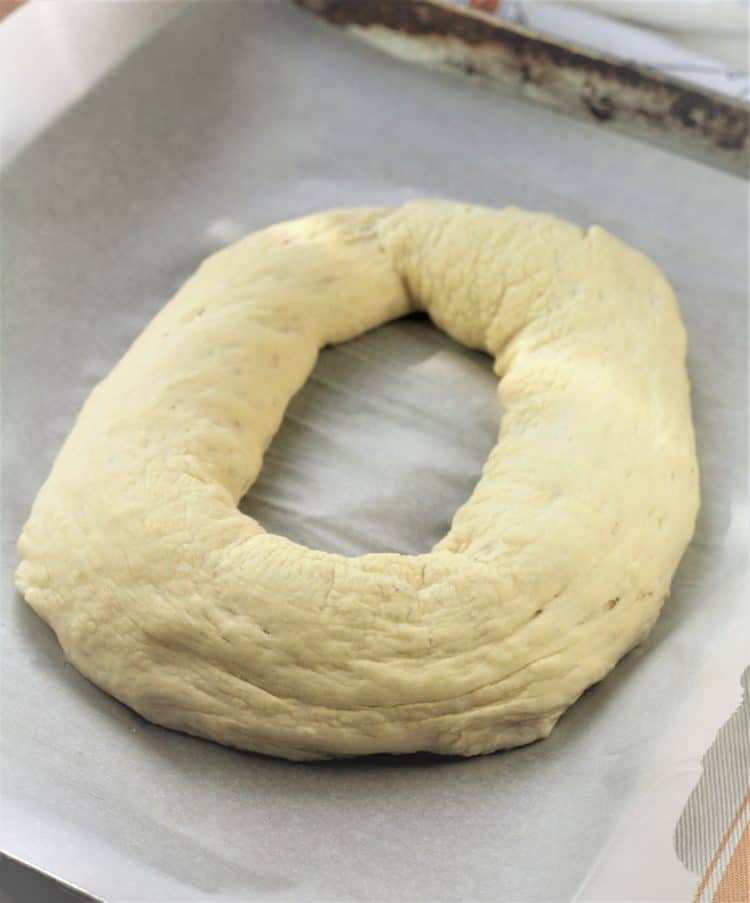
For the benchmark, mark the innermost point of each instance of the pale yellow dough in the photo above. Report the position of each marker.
(170, 599)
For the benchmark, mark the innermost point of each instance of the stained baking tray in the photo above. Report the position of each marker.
(593, 86)
(232, 117)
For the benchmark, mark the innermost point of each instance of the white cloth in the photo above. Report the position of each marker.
(719, 28)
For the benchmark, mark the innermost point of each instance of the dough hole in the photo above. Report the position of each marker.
(382, 444)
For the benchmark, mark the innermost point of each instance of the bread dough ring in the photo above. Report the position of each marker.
(170, 599)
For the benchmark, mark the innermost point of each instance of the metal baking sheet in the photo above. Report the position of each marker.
(617, 93)
(232, 117)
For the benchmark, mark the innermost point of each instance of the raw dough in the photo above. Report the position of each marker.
(170, 599)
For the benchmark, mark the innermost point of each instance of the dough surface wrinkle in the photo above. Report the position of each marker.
(168, 597)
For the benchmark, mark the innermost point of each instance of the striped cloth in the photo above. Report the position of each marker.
(712, 837)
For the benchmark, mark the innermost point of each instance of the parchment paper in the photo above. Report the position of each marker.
(234, 116)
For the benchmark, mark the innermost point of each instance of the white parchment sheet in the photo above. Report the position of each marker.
(237, 115)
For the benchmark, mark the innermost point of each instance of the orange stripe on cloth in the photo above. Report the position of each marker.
(7, 7)
(735, 884)
(724, 840)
